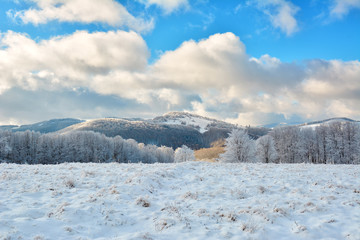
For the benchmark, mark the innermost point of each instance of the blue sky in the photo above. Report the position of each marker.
(249, 62)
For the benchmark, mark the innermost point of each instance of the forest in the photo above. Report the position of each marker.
(79, 146)
(333, 143)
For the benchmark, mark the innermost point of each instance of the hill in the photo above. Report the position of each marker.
(326, 122)
(211, 129)
(142, 131)
(173, 129)
(52, 125)
(200, 123)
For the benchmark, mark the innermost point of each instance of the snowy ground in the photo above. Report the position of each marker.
(179, 201)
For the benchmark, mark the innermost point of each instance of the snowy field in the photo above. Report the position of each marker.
(194, 200)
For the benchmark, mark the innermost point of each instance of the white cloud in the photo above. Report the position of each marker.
(167, 5)
(281, 14)
(267, 61)
(340, 8)
(228, 82)
(68, 61)
(85, 11)
(214, 76)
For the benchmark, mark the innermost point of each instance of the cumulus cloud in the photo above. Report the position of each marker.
(214, 76)
(84, 11)
(281, 13)
(228, 81)
(68, 61)
(167, 5)
(340, 8)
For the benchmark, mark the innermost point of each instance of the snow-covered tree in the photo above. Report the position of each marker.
(5, 148)
(352, 143)
(288, 144)
(238, 147)
(184, 154)
(321, 144)
(165, 154)
(308, 145)
(265, 149)
(343, 142)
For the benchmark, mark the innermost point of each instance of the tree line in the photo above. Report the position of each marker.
(80, 146)
(333, 143)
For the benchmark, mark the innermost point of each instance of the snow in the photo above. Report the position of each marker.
(201, 123)
(324, 123)
(192, 200)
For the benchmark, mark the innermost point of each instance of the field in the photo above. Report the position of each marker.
(193, 200)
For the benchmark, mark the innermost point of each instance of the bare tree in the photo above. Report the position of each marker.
(238, 147)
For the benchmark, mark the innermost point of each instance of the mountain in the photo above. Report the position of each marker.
(312, 124)
(142, 131)
(326, 122)
(43, 127)
(281, 124)
(202, 124)
(8, 127)
(211, 129)
(173, 129)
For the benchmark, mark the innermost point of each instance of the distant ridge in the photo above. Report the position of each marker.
(327, 121)
(313, 123)
(52, 125)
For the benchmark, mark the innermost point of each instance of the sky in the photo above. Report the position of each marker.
(248, 62)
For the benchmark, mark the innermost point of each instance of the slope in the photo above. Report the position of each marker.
(142, 131)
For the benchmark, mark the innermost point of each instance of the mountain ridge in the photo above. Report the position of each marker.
(172, 129)
(48, 126)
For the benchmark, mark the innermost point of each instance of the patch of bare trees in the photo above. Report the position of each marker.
(83, 146)
(334, 143)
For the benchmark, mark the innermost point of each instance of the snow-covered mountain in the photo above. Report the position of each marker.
(326, 122)
(173, 129)
(200, 123)
(142, 131)
(52, 125)
(312, 124)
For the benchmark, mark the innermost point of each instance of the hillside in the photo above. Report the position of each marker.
(192, 200)
(142, 131)
(200, 123)
(172, 129)
(211, 129)
(312, 124)
(52, 125)
(326, 122)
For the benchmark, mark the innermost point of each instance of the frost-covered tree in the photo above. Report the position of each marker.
(184, 154)
(5, 148)
(288, 144)
(352, 143)
(321, 144)
(265, 149)
(343, 142)
(238, 148)
(79, 146)
(308, 145)
(165, 154)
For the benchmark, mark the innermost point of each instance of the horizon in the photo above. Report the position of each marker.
(246, 62)
(268, 125)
